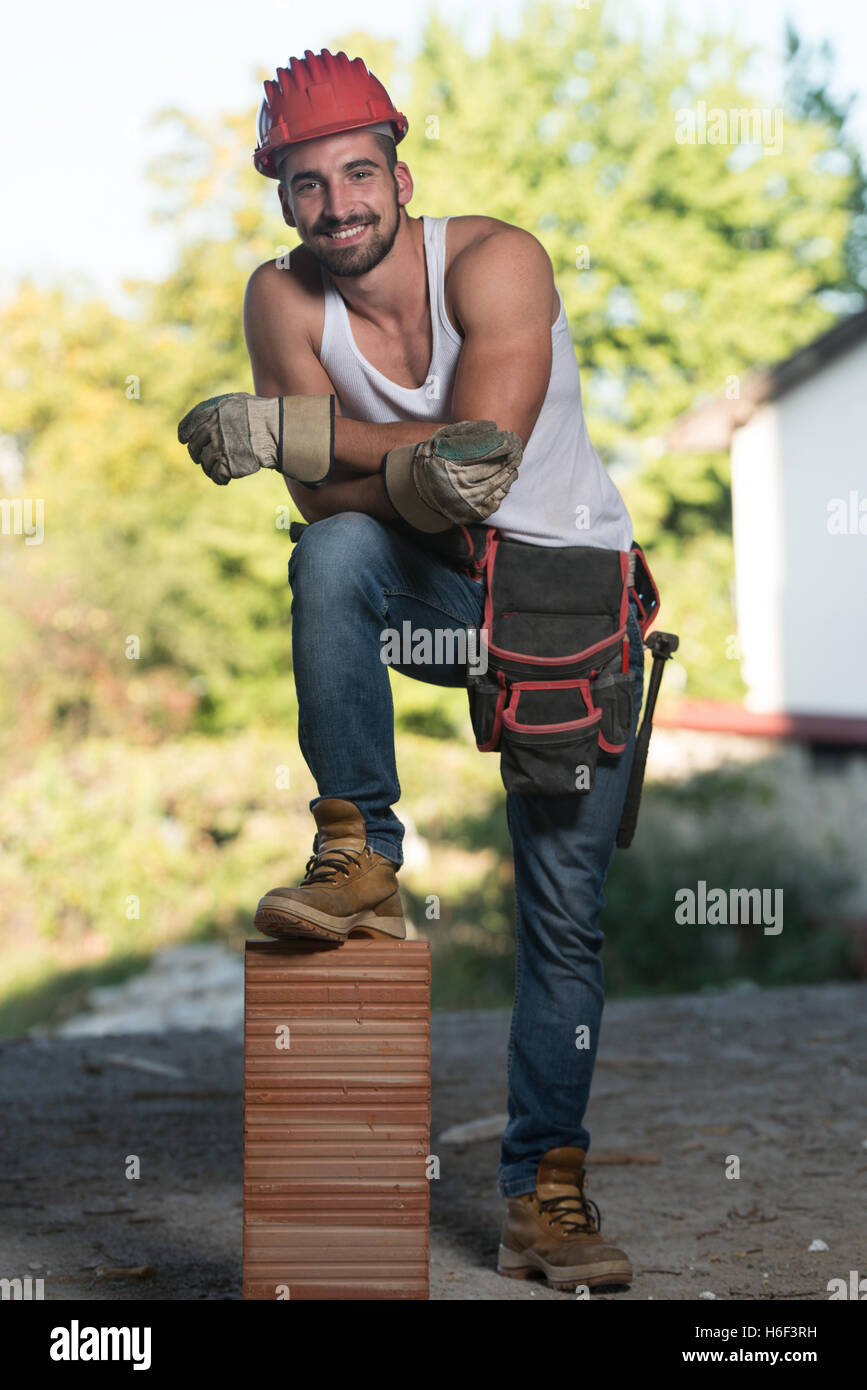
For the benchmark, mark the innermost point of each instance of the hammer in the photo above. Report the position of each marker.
(663, 645)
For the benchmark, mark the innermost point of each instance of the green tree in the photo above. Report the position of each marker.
(810, 95)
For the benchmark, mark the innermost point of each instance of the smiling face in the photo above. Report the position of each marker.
(344, 200)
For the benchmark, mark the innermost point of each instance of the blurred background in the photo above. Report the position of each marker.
(714, 271)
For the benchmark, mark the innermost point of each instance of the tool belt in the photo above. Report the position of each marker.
(557, 690)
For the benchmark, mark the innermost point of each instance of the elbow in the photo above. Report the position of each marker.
(309, 501)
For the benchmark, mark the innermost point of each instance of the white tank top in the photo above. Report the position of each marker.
(562, 494)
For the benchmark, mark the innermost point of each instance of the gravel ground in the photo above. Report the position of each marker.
(774, 1076)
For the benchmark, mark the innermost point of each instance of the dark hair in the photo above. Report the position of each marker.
(386, 145)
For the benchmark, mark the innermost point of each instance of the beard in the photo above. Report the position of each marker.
(358, 260)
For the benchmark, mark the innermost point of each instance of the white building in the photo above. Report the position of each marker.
(797, 433)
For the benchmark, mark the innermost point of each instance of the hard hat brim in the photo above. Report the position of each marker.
(264, 156)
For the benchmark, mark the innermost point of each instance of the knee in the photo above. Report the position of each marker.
(333, 551)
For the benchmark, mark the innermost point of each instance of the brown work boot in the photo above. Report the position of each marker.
(348, 889)
(554, 1232)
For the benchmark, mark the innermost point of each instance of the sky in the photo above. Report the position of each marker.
(79, 84)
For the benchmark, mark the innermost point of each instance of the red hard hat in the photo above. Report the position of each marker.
(320, 94)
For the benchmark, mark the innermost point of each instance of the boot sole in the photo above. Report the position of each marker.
(281, 917)
(528, 1265)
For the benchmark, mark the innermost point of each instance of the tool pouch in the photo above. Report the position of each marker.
(557, 690)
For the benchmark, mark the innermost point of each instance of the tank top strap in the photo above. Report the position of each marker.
(435, 248)
(331, 320)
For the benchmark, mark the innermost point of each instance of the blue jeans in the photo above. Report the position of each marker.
(352, 577)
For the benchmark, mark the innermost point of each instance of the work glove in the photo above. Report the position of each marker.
(461, 474)
(234, 435)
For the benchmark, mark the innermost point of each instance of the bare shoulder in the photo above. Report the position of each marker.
(479, 241)
(487, 254)
(291, 285)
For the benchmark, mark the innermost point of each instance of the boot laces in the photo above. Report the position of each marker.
(573, 1210)
(325, 866)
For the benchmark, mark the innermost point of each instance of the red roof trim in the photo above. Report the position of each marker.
(713, 716)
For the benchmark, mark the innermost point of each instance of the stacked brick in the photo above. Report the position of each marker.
(336, 1120)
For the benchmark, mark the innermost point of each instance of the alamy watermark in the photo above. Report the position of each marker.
(855, 1288)
(22, 1290)
(17, 518)
(439, 646)
(714, 907)
(77, 1343)
(757, 125)
(847, 516)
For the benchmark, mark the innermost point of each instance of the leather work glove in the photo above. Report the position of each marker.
(461, 474)
(234, 435)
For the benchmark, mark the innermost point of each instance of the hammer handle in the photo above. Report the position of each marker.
(629, 819)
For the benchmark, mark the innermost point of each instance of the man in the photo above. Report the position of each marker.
(410, 374)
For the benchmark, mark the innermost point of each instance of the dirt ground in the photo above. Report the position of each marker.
(773, 1076)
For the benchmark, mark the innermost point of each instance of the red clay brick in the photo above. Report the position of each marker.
(337, 1125)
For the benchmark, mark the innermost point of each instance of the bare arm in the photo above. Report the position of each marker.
(285, 364)
(360, 444)
(503, 288)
